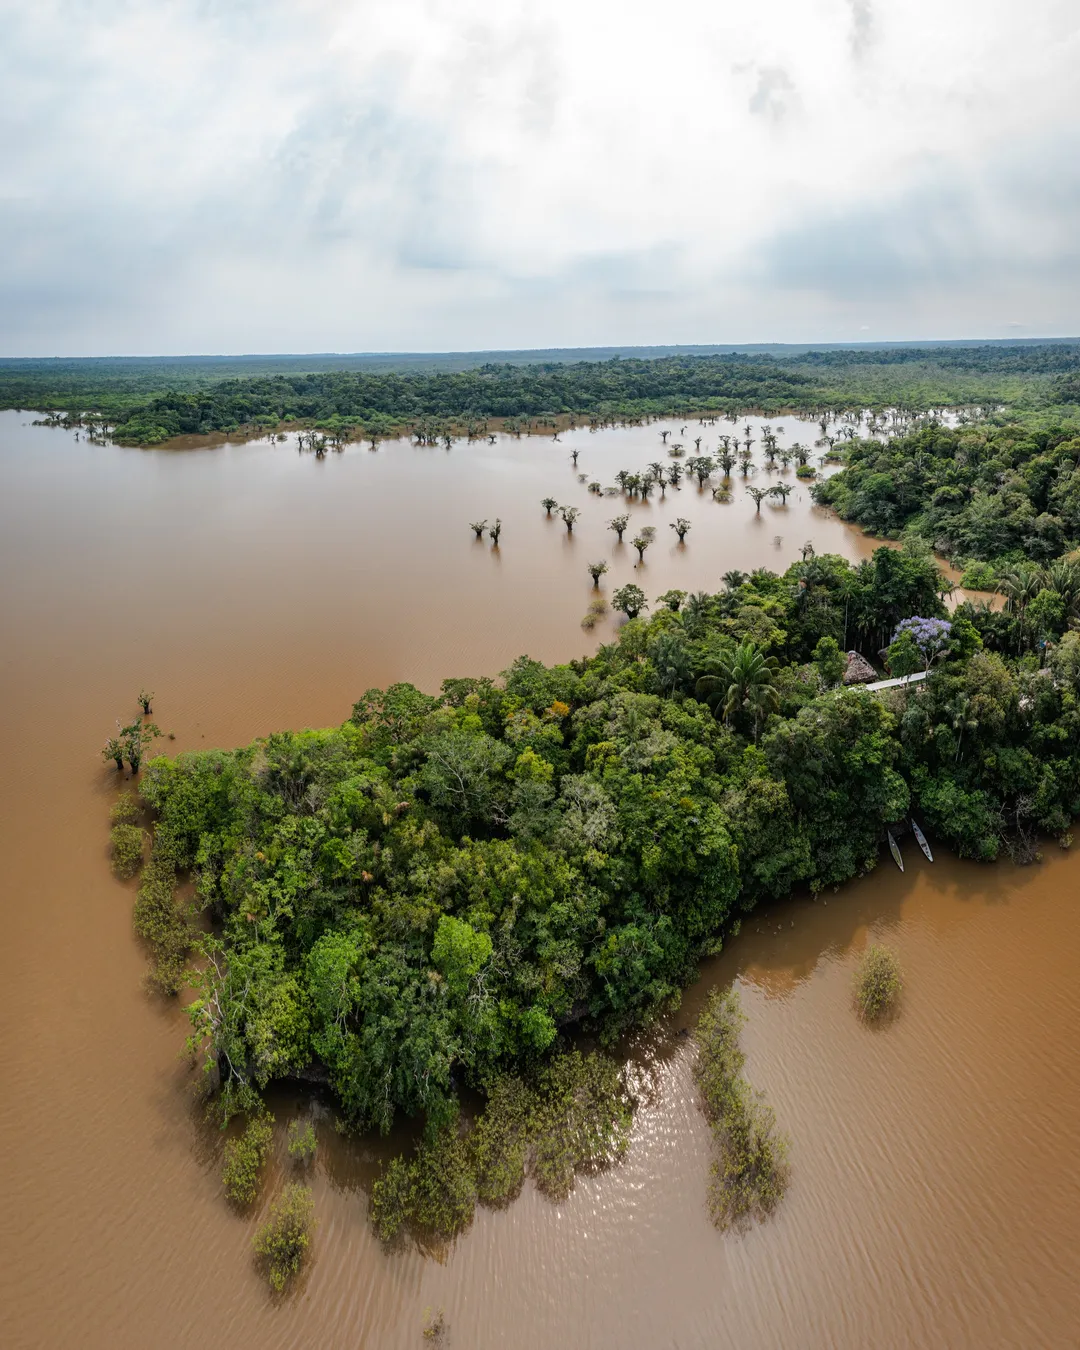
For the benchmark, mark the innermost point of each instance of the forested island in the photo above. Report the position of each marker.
(443, 901)
(149, 402)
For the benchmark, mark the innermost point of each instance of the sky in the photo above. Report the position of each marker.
(238, 176)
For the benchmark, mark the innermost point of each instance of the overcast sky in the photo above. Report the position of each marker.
(354, 175)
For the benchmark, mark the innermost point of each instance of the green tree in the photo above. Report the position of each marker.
(831, 662)
(630, 600)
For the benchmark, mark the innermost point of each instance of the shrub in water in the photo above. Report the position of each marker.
(751, 1169)
(125, 810)
(127, 849)
(878, 983)
(302, 1144)
(283, 1240)
(244, 1158)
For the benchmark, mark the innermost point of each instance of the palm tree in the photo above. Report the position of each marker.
(549, 504)
(675, 473)
(671, 662)
(726, 460)
(495, 531)
(734, 579)
(741, 684)
(657, 471)
(1020, 585)
(680, 526)
(618, 525)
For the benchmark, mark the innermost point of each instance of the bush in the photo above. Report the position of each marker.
(125, 810)
(751, 1170)
(283, 1240)
(434, 1192)
(878, 983)
(161, 922)
(576, 1118)
(244, 1159)
(499, 1142)
(127, 849)
(581, 1122)
(979, 576)
(302, 1142)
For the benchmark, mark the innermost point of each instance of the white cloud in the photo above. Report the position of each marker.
(427, 174)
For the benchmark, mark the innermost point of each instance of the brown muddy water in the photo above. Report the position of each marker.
(935, 1198)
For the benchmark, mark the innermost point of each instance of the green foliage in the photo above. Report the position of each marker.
(751, 1170)
(125, 810)
(979, 576)
(630, 599)
(574, 1117)
(878, 983)
(127, 842)
(245, 1157)
(831, 662)
(302, 1144)
(282, 1242)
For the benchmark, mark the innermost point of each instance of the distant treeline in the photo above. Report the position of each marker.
(146, 402)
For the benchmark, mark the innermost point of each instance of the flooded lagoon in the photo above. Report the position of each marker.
(935, 1198)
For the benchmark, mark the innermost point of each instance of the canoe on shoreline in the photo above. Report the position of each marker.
(894, 850)
(922, 841)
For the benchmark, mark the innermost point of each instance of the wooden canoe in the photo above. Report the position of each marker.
(922, 841)
(894, 850)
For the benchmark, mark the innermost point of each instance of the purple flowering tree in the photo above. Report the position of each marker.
(917, 644)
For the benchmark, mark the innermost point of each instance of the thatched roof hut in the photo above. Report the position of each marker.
(859, 670)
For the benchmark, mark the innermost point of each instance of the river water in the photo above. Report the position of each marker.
(935, 1197)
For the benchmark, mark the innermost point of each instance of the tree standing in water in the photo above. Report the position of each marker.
(549, 504)
(478, 527)
(759, 495)
(642, 541)
(596, 570)
(146, 699)
(630, 600)
(619, 524)
(680, 525)
(569, 515)
(782, 490)
(495, 531)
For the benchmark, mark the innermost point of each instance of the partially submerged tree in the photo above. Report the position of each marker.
(596, 570)
(619, 524)
(549, 504)
(681, 527)
(759, 495)
(478, 527)
(630, 600)
(495, 531)
(569, 515)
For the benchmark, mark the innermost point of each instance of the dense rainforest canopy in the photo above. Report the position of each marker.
(146, 402)
(436, 892)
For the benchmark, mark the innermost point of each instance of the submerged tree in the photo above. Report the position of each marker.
(146, 698)
(596, 570)
(759, 495)
(781, 490)
(495, 531)
(630, 600)
(619, 524)
(478, 527)
(549, 504)
(569, 515)
(681, 527)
